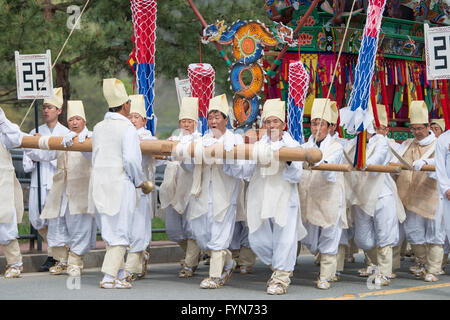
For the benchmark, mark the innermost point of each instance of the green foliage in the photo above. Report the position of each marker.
(101, 48)
(158, 223)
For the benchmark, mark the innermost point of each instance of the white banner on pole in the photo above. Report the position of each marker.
(183, 87)
(437, 52)
(34, 76)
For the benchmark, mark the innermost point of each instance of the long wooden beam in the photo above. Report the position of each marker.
(165, 148)
(346, 167)
(426, 167)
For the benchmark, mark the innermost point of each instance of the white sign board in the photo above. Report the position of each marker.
(437, 52)
(34, 76)
(183, 89)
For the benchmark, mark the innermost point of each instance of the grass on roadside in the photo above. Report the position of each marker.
(157, 223)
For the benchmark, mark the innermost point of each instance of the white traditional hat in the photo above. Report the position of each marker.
(114, 92)
(219, 103)
(440, 122)
(274, 107)
(326, 107)
(57, 99)
(138, 105)
(418, 112)
(382, 115)
(189, 109)
(75, 108)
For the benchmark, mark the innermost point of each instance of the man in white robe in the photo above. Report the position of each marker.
(175, 191)
(71, 229)
(116, 173)
(322, 194)
(378, 209)
(437, 126)
(442, 162)
(212, 207)
(240, 246)
(273, 206)
(11, 198)
(423, 226)
(141, 234)
(52, 108)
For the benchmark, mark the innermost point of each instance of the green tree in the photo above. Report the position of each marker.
(101, 47)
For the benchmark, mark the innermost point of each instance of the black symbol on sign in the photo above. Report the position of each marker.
(29, 78)
(443, 47)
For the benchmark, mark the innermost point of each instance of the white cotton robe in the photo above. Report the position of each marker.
(325, 239)
(379, 226)
(113, 185)
(212, 217)
(47, 160)
(11, 211)
(442, 162)
(418, 229)
(274, 218)
(175, 194)
(66, 208)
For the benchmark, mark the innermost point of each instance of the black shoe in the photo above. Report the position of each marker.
(50, 262)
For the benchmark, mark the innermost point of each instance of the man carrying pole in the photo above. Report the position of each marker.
(46, 159)
(141, 230)
(11, 198)
(212, 208)
(273, 207)
(71, 229)
(378, 209)
(116, 173)
(442, 160)
(418, 191)
(175, 191)
(323, 194)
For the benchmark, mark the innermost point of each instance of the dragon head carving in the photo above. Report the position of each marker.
(213, 32)
(284, 34)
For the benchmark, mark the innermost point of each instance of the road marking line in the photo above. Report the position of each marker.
(393, 291)
(386, 292)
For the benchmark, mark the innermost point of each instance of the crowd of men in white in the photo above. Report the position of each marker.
(234, 210)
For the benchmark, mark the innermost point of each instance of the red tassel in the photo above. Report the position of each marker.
(374, 105)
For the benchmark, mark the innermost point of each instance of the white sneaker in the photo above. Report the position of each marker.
(227, 271)
(381, 280)
(115, 284)
(211, 283)
(13, 272)
(429, 277)
(59, 268)
(323, 284)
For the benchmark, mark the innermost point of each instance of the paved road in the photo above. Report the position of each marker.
(161, 282)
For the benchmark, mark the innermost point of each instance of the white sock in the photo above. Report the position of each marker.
(121, 274)
(229, 265)
(17, 265)
(108, 278)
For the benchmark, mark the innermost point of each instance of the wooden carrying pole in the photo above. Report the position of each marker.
(164, 148)
(348, 168)
(426, 167)
(161, 148)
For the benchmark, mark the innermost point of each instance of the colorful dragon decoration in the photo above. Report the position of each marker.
(248, 39)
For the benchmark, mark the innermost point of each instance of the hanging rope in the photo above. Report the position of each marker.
(336, 65)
